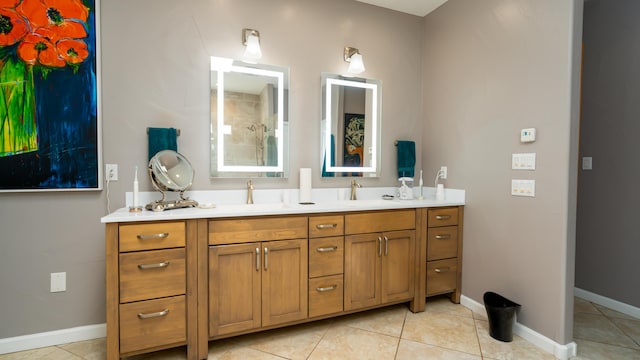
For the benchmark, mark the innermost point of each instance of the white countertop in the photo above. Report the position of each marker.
(281, 202)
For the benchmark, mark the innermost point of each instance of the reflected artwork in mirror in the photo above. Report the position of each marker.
(249, 119)
(351, 120)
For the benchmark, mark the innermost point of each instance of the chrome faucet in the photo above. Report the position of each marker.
(354, 186)
(249, 192)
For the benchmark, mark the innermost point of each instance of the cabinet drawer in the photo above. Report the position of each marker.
(380, 221)
(325, 295)
(326, 256)
(152, 323)
(230, 231)
(442, 276)
(442, 217)
(320, 226)
(442, 243)
(151, 236)
(152, 274)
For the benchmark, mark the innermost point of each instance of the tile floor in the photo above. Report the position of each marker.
(445, 331)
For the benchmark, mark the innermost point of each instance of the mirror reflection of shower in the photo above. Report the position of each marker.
(259, 131)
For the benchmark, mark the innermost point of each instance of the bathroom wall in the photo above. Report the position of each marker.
(155, 72)
(491, 68)
(607, 245)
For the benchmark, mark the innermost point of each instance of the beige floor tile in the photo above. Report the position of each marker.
(411, 350)
(613, 314)
(386, 321)
(444, 305)
(630, 327)
(518, 349)
(88, 350)
(344, 342)
(235, 352)
(600, 329)
(443, 330)
(294, 343)
(179, 353)
(49, 353)
(588, 350)
(584, 306)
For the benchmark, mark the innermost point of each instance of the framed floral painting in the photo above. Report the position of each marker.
(49, 102)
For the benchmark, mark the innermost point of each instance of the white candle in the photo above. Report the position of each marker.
(305, 185)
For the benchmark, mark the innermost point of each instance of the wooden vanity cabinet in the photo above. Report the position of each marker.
(326, 265)
(149, 295)
(444, 252)
(379, 258)
(255, 284)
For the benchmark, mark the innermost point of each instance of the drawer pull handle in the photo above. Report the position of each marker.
(152, 236)
(266, 258)
(442, 270)
(443, 217)
(163, 264)
(327, 249)
(386, 246)
(326, 226)
(327, 288)
(257, 259)
(153, 315)
(379, 246)
(441, 237)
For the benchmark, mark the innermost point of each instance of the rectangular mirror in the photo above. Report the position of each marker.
(249, 119)
(350, 126)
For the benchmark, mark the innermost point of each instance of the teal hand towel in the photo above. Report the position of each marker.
(406, 158)
(162, 139)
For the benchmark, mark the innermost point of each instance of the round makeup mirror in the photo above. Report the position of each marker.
(170, 171)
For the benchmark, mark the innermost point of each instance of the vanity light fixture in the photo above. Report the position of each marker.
(354, 58)
(251, 39)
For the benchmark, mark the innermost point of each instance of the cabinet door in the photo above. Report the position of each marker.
(234, 288)
(284, 281)
(362, 254)
(398, 265)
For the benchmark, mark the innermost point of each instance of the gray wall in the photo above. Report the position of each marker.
(491, 68)
(607, 245)
(155, 72)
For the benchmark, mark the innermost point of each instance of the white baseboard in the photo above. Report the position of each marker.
(560, 351)
(607, 302)
(52, 338)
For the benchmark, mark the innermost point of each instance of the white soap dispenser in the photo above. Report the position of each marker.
(405, 192)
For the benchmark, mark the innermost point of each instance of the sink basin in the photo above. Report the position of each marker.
(367, 203)
(253, 207)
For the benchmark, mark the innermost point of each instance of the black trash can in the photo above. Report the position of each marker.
(502, 315)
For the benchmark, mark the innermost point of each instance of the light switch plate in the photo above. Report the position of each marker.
(523, 188)
(58, 282)
(523, 161)
(587, 163)
(528, 135)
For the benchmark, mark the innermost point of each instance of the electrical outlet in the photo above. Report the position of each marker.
(58, 282)
(111, 172)
(443, 172)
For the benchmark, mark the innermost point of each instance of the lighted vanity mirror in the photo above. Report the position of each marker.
(351, 121)
(249, 119)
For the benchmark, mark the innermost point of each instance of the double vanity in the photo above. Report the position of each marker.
(191, 276)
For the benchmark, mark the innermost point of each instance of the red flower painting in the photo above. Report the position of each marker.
(42, 35)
